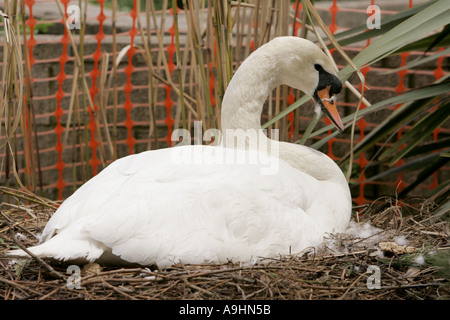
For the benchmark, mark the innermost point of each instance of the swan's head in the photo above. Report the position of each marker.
(304, 66)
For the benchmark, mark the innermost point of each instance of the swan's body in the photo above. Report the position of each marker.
(193, 204)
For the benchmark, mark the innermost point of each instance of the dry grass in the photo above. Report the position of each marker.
(341, 269)
(337, 271)
(215, 37)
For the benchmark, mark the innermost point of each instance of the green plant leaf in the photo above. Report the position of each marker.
(430, 147)
(420, 24)
(420, 61)
(417, 133)
(426, 44)
(431, 168)
(415, 164)
(360, 33)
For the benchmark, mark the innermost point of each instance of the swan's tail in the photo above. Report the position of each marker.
(19, 253)
(87, 250)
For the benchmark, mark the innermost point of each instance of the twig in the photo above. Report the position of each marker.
(41, 262)
(48, 295)
(195, 287)
(19, 286)
(29, 197)
(408, 286)
(117, 290)
(28, 210)
(351, 286)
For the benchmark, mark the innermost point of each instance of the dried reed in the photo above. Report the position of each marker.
(340, 269)
(12, 92)
(211, 39)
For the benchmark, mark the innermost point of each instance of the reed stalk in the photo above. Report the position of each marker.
(192, 19)
(203, 79)
(151, 88)
(220, 34)
(178, 60)
(27, 131)
(12, 91)
(104, 86)
(77, 55)
(114, 78)
(84, 147)
(24, 120)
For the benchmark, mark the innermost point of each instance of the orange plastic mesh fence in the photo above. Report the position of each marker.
(52, 92)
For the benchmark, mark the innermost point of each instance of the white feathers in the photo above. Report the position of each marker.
(364, 231)
(155, 207)
(401, 240)
(419, 260)
(318, 110)
(20, 236)
(196, 214)
(331, 100)
(318, 107)
(357, 236)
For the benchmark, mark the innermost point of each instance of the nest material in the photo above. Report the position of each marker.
(346, 266)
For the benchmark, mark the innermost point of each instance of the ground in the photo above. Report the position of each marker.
(393, 250)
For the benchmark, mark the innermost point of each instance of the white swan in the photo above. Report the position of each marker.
(195, 204)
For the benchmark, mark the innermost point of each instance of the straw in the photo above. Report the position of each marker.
(339, 269)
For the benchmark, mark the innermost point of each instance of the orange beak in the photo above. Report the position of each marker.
(330, 108)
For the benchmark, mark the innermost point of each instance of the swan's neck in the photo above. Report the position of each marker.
(247, 91)
(241, 115)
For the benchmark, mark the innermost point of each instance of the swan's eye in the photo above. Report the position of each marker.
(318, 67)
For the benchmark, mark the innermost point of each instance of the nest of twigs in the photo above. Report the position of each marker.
(401, 251)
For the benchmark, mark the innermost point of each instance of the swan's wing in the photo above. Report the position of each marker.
(89, 197)
(197, 212)
(146, 208)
